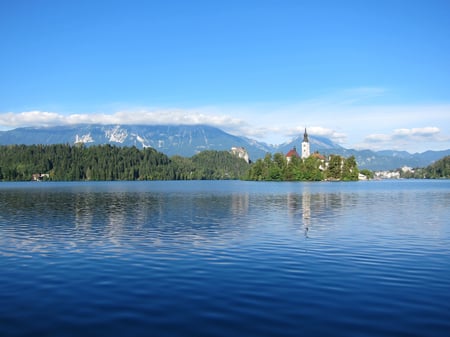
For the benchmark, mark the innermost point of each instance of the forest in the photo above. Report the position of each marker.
(107, 163)
(66, 162)
(438, 170)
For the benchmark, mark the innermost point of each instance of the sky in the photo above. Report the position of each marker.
(371, 74)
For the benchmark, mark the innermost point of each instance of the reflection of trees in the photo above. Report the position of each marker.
(53, 219)
(64, 217)
(84, 213)
(159, 217)
(30, 218)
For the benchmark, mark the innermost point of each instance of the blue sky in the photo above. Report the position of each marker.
(368, 74)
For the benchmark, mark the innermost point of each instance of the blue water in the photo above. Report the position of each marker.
(225, 258)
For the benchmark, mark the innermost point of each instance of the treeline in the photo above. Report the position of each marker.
(64, 162)
(106, 162)
(313, 168)
(438, 170)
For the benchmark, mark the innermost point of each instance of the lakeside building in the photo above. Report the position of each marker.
(40, 176)
(387, 175)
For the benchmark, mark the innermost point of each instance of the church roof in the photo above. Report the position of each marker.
(318, 156)
(292, 153)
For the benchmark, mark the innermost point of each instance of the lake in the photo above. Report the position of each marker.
(225, 258)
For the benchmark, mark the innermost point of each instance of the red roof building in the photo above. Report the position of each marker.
(292, 153)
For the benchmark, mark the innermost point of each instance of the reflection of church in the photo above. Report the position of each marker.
(300, 203)
(305, 149)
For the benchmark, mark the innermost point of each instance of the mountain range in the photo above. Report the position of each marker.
(187, 140)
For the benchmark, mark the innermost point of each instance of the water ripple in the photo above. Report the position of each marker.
(237, 259)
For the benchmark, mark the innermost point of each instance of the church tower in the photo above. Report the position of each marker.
(305, 146)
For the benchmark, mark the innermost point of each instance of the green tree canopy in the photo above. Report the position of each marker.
(107, 162)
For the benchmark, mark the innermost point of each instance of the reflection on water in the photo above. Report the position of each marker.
(85, 215)
(88, 216)
(225, 258)
(37, 219)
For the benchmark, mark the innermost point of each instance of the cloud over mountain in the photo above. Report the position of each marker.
(405, 137)
(346, 119)
(141, 116)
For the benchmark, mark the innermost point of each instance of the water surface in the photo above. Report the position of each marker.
(225, 258)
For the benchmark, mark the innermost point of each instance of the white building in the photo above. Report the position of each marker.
(387, 175)
(305, 146)
(407, 169)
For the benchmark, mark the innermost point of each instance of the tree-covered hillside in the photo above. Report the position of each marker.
(438, 170)
(107, 162)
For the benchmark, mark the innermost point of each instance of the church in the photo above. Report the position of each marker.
(306, 152)
(305, 146)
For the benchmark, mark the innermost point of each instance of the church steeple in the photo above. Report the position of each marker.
(305, 137)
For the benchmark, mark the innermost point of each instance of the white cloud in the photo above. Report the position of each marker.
(355, 118)
(30, 118)
(425, 132)
(413, 139)
(43, 118)
(429, 132)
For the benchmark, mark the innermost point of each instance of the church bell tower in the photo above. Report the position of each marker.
(305, 146)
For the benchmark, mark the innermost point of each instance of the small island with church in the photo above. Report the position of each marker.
(304, 167)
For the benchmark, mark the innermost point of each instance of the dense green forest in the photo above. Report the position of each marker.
(106, 162)
(313, 168)
(64, 162)
(438, 170)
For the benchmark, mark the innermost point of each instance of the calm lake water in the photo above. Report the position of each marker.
(225, 258)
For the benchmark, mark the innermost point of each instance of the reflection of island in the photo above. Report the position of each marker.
(293, 200)
(316, 209)
(306, 214)
(300, 204)
(84, 216)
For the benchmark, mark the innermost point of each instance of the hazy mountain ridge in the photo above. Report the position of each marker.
(187, 140)
(183, 140)
(317, 143)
